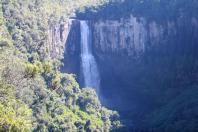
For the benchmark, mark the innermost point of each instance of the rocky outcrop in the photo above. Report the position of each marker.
(57, 36)
(124, 36)
(72, 50)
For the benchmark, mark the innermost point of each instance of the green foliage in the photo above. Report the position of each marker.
(32, 70)
(6, 92)
(1, 21)
(4, 42)
(158, 10)
(88, 101)
(47, 67)
(14, 114)
(34, 95)
(56, 82)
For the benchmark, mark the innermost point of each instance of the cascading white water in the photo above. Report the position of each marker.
(88, 63)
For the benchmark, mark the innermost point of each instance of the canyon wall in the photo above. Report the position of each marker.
(71, 50)
(139, 61)
(56, 39)
(132, 36)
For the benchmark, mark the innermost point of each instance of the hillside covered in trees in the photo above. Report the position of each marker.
(159, 10)
(34, 94)
(146, 52)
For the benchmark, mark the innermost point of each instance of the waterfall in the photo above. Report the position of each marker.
(88, 63)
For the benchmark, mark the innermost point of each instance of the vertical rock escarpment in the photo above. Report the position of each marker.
(72, 50)
(137, 58)
(120, 46)
(57, 36)
(130, 36)
(124, 36)
(64, 43)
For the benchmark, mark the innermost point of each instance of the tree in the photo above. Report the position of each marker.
(32, 70)
(14, 114)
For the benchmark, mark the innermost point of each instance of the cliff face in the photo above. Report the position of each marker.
(63, 43)
(71, 50)
(132, 36)
(56, 39)
(124, 36)
(139, 61)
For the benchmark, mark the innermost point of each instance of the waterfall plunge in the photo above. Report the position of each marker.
(88, 63)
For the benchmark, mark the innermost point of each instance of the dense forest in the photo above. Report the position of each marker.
(159, 10)
(34, 94)
(155, 90)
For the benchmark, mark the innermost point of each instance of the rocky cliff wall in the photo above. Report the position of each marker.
(71, 50)
(56, 39)
(132, 36)
(139, 61)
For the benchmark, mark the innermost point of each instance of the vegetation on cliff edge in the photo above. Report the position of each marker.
(34, 94)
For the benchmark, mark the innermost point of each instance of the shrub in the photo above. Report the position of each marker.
(56, 82)
(31, 70)
(47, 67)
(5, 42)
(15, 116)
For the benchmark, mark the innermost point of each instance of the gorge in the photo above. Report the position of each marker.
(140, 63)
(99, 65)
